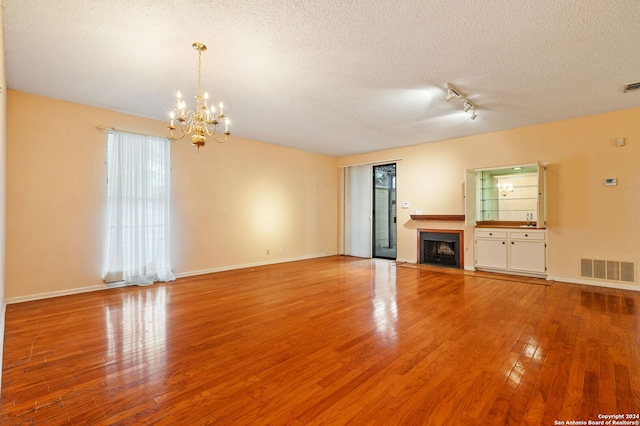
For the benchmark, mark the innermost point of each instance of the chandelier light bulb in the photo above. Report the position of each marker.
(172, 116)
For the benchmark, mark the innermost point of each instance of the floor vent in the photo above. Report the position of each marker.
(627, 272)
(610, 270)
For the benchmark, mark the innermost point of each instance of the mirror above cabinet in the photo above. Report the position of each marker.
(506, 196)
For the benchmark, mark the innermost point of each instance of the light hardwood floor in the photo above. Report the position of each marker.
(328, 341)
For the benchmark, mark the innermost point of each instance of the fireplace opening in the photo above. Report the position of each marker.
(440, 253)
(440, 248)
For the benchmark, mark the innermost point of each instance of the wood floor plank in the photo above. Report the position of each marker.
(336, 340)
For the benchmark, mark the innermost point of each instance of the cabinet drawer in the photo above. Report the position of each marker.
(527, 235)
(490, 233)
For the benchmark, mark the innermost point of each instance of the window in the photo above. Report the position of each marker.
(137, 224)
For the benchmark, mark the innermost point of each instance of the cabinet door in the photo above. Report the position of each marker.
(491, 254)
(527, 256)
(542, 195)
(470, 198)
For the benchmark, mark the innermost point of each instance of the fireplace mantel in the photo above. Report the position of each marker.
(451, 217)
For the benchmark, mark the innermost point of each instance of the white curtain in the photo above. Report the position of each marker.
(358, 187)
(137, 223)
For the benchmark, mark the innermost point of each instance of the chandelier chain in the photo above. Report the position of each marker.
(199, 74)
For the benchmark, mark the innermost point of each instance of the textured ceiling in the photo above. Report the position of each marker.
(333, 77)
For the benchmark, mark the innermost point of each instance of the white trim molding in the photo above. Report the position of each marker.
(118, 284)
(596, 283)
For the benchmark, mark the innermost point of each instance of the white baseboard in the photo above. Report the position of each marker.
(19, 299)
(406, 261)
(59, 293)
(596, 283)
(79, 290)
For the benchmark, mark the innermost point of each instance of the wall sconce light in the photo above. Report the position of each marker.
(467, 105)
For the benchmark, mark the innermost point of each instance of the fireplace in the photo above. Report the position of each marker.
(441, 247)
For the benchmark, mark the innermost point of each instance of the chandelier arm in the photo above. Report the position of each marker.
(226, 136)
(188, 125)
(176, 138)
(210, 130)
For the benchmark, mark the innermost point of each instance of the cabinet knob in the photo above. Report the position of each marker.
(490, 233)
(512, 242)
(526, 235)
(504, 242)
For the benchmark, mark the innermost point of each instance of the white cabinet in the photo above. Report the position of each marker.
(491, 249)
(527, 251)
(511, 250)
(506, 196)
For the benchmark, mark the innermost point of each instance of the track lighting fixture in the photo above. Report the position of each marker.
(453, 92)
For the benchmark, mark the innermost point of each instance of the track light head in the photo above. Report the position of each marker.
(452, 92)
(467, 105)
(474, 114)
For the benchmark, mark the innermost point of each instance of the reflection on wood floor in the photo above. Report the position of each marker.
(327, 341)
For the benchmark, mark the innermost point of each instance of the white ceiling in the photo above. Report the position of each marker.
(333, 77)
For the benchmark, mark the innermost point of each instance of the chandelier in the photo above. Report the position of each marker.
(505, 188)
(201, 122)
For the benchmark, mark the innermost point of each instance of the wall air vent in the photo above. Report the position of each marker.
(631, 87)
(610, 270)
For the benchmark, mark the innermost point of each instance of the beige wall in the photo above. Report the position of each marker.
(3, 117)
(231, 202)
(585, 218)
(234, 202)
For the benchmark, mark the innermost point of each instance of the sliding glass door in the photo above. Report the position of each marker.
(384, 211)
